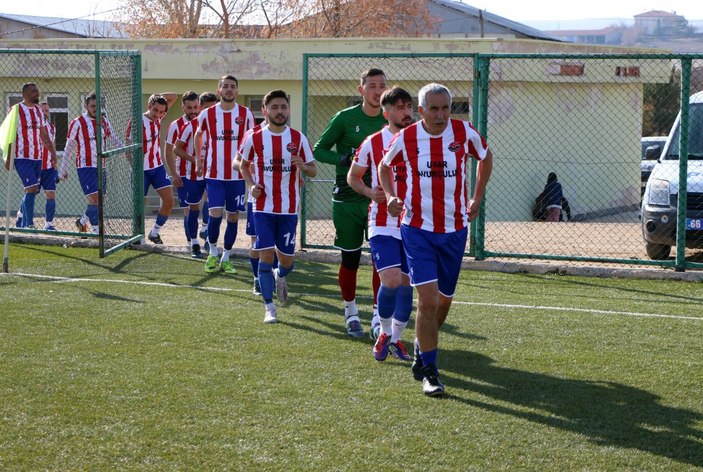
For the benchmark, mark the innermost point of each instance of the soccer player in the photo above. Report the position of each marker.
(345, 132)
(224, 125)
(395, 296)
(48, 176)
(272, 159)
(32, 134)
(434, 228)
(185, 169)
(154, 172)
(207, 100)
(82, 139)
(194, 184)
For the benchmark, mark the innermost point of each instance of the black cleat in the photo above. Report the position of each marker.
(417, 367)
(431, 385)
(155, 239)
(195, 252)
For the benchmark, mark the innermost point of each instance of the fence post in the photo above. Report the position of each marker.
(484, 66)
(680, 265)
(303, 191)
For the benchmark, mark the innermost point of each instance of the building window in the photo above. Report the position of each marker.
(58, 114)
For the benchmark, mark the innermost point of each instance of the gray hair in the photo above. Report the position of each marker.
(432, 89)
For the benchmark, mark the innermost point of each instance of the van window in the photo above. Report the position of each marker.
(695, 135)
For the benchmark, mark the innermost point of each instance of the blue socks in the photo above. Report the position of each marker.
(403, 303)
(230, 234)
(92, 213)
(28, 211)
(265, 281)
(254, 266)
(192, 224)
(429, 358)
(206, 212)
(283, 271)
(160, 219)
(386, 301)
(50, 210)
(213, 229)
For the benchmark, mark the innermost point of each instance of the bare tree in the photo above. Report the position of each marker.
(161, 18)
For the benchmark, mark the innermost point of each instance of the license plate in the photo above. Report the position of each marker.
(694, 223)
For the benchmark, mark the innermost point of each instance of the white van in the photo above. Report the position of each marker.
(660, 196)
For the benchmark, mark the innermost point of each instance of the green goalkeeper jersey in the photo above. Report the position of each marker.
(345, 132)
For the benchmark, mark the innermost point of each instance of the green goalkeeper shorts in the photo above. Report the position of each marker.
(350, 224)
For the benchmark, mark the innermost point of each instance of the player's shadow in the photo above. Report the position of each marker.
(608, 413)
(335, 330)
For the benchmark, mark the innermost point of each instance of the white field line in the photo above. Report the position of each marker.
(456, 302)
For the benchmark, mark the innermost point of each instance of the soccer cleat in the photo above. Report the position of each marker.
(417, 366)
(281, 287)
(195, 252)
(50, 227)
(431, 385)
(271, 315)
(380, 348)
(375, 331)
(227, 267)
(203, 233)
(399, 352)
(81, 227)
(354, 328)
(212, 263)
(155, 239)
(257, 288)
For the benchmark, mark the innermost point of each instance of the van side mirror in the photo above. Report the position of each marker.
(652, 152)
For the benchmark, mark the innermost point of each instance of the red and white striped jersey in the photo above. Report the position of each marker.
(270, 156)
(174, 129)
(30, 120)
(250, 197)
(187, 137)
(82, 136)
(370, 154)
(225, 130)
(151, 142)
(436, 199)
(45, 156)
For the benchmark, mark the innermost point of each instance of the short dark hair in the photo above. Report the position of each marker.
(227, 77)
(89, 97)
(157, 98)
(394, 95)
(373, 72)
(275, 94)
(28, 85)
(189, 96)
(207, 97)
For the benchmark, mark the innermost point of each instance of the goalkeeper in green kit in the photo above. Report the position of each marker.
(345, 133)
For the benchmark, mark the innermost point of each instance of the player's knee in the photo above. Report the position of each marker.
(351, 259)
(391, 278)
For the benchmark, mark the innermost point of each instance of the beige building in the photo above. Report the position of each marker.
(575, 89)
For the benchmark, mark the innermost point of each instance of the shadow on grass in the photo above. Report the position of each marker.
(608, 413)
(662, 295)
(335, 330)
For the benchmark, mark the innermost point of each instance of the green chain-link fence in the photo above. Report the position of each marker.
(330, 84)
(64, 79)
(581, 117)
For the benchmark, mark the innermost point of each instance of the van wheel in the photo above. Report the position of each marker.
(658, 252)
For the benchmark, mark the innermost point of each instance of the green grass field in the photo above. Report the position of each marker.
(141, 361)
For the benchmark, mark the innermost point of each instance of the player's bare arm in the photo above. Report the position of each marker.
(237, 163)
(245, 169)
(309, 168)
(395, 204)
(198, 145)
(355, 181)
(483, 174)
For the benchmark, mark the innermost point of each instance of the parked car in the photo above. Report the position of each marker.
(659, 202)
(650, 156)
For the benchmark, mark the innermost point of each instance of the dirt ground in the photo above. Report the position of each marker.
(614, 237)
